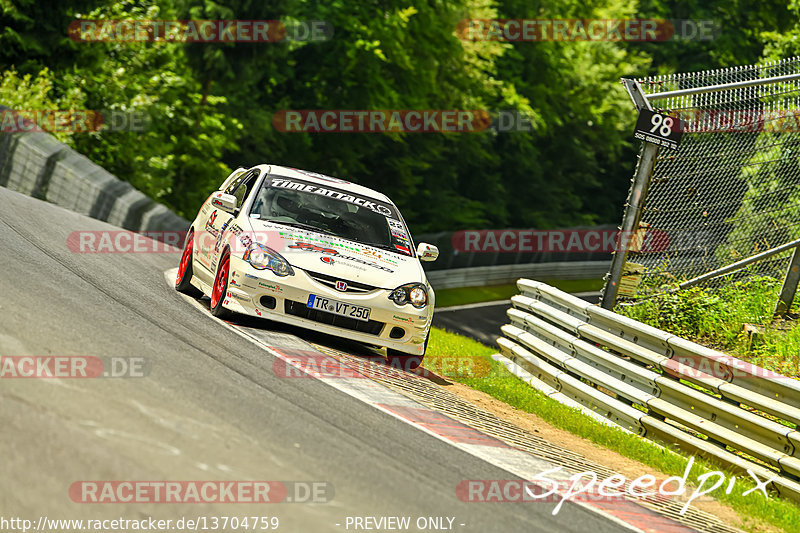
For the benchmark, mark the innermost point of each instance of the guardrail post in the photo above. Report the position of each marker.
(635, 203)
(790, 282)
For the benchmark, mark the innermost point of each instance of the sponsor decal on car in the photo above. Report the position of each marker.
(245, 239)
(408, 320)
(308, 247)
(271, 287)
(395, 224)
(238, 296)
(301, 238)
(372, 204)
(401, 242)
(216, 201)
(220, 234)
(210, 229)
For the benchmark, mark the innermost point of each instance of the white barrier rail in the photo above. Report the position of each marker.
(655, 384)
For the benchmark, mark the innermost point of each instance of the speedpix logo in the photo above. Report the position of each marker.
(556, 487)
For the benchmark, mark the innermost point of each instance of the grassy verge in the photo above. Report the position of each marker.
(470, 295)
(504, 386)
(717, 318)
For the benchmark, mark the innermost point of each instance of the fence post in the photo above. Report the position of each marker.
(789, 284)
(635, 203)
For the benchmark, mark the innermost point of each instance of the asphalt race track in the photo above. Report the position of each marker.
(210, 407)
(478, 321)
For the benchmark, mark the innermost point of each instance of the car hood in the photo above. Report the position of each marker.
(322, 253)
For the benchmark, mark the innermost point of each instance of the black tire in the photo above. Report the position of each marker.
(183, 283)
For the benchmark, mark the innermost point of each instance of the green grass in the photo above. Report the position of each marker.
(492, 378)
(715, 318)
(471, 295)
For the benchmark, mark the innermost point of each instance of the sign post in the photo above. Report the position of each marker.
(656, 130)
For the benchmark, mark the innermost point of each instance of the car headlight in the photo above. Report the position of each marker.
(415, 294)
(264, 258)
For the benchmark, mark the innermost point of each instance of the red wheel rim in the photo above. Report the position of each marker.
(220, 282)
(185, 258)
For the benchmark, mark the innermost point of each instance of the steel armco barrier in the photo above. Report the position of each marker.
(655, 384)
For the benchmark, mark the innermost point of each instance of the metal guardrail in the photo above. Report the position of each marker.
(655, 384)
(501, 274)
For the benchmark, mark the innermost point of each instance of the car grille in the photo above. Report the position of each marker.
(372, 327)
(330, 281)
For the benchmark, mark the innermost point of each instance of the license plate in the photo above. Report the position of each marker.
(338, 308)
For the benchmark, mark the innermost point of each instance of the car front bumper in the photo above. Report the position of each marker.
(261, 293)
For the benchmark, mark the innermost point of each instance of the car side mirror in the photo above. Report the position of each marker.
(427, 252)
(226, 202)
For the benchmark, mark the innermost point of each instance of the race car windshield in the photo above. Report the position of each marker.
(334, 212)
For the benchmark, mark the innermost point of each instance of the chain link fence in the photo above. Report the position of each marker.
(732, 188)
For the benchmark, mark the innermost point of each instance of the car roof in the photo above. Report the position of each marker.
(322, 179)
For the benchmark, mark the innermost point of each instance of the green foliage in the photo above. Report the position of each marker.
(716, 318)
(35, 93)
(781, 40)
(178, 158)
(770, 208)
(742, 28)
(210, 105)
(712, 314)
(33, 33)
(574, 168)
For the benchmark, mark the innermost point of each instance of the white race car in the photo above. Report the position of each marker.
(312, 251)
